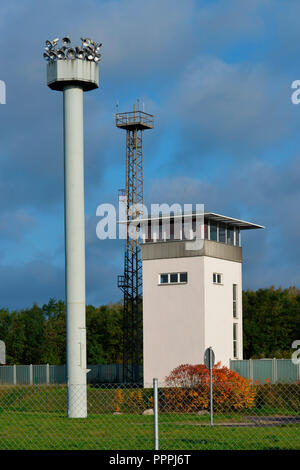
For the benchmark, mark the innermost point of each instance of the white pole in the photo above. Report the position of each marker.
(75, 251)
(30, 374)
(251, 370)
(47, 374)
(155, 400)
(274, 370)
(211, 398)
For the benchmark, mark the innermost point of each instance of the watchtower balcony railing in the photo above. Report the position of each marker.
(134, 119)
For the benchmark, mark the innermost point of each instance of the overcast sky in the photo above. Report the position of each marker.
(216, 75)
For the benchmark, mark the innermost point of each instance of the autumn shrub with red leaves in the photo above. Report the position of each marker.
(188, 389)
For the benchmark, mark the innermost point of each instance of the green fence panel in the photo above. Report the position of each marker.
(287, 371)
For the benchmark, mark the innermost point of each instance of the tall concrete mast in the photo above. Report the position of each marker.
(73, 71)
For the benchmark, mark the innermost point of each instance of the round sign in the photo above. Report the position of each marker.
(209, 358)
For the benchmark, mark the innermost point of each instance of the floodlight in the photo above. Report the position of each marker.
(48, 45)
(46, 56)
(86, 42)
(54, 42)
(66, 41)
(60, 54)
(71, 53)
(90, 54)
(90, 50)
(79, 52)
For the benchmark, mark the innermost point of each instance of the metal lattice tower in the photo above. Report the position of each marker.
(134, 122)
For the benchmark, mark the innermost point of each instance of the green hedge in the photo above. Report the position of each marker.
(285, 396)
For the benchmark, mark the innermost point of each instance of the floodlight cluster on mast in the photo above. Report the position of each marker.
(89, 50)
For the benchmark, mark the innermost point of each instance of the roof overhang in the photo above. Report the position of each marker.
(241, 224)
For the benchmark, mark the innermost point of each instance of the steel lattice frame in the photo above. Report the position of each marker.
(131, 281)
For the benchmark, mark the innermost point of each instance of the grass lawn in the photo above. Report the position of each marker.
(34, 417)
(33, 430)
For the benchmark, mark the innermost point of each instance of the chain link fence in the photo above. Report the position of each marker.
(275, 370)
(121, 416)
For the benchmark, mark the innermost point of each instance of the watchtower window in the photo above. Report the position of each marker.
(222, 233)
(164, 279)
(173, 278)
(217, 278)
(213, 232)
(206, 230)
(230, 235)
(237, 237)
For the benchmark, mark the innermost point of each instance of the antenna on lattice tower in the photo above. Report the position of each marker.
(134, 122)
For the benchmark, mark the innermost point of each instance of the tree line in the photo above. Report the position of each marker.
(37, 335)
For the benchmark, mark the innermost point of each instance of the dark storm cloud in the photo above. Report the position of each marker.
(217, 77)
(103, 265)
(261, 192)
(15, 226)
(30, 282)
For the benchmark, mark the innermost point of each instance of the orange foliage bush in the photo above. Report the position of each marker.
(135, 401)
(119, 399)
(188, 389)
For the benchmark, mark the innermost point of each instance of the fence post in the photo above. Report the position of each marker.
(30, 374)
(251, 370)
(14, 374)
(47, 374)
(155, 399)
(274, 370)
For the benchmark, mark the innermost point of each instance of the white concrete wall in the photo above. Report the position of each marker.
(218, 299)
(181, 320)
(172, 317)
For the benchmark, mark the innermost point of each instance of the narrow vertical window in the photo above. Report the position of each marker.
(206, 230)
(235, 340)
(222, 233)
(234, 300)
(237, 236)
(172, 229)
(230, 235)
(213, 232)
(148, 232)
(160, 232)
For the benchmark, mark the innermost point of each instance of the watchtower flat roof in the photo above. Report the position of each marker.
(242, 224)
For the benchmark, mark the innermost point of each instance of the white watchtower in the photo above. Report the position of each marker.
(192, 296)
